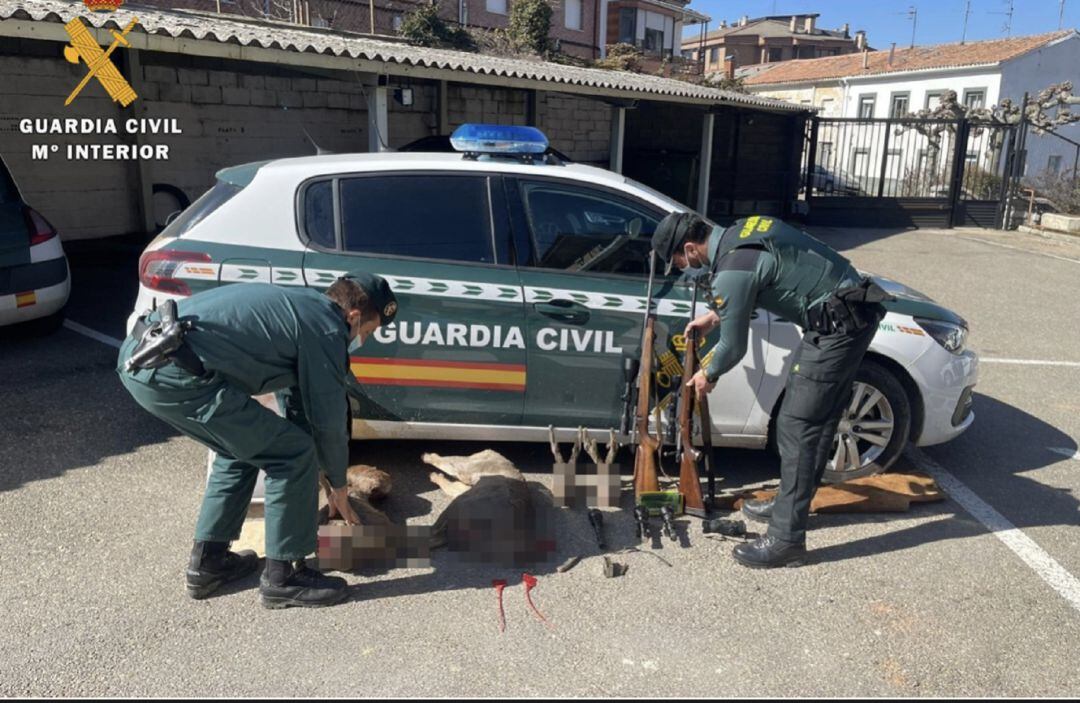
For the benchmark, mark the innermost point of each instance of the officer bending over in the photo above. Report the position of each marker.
(762, 262)
(198, 368)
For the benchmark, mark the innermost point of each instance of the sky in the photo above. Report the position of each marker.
(886, 21)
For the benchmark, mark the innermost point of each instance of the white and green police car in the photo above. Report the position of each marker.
(521, 283)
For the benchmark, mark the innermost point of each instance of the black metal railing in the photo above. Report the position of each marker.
(942, 160)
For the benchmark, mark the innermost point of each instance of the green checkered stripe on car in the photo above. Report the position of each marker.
(414, 285)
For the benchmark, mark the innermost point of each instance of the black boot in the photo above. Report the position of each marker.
(768, 552)
(286, 583)
(760, 510)
(212, 565)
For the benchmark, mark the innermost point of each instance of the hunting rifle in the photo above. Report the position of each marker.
(645, 478)
(689, 479)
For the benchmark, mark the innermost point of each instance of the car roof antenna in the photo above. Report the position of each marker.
(319, 151)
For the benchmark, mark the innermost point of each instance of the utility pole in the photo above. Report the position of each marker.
(967, 13)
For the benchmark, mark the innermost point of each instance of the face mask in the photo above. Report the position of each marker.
(691, 273)
(355, 344)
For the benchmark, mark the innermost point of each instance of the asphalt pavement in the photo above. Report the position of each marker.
(974, 596)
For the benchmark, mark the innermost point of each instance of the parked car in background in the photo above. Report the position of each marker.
(826, 182)
(34, 277)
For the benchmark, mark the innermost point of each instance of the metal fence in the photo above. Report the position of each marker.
(916, 171)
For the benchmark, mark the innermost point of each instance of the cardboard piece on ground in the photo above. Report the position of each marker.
(883, 493)
(919, 487)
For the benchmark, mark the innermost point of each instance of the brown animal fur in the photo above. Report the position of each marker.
(369, 482)
(467, 470)
(366, 483)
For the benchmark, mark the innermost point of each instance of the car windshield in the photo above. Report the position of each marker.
(8, 192)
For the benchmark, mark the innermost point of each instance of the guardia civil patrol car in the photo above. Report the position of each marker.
(521, 282)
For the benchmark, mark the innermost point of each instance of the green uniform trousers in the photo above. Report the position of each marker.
(817, 391)
(247, 437)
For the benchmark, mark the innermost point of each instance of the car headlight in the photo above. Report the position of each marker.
(948, 334)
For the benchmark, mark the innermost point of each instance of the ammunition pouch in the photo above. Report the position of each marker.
(161, 342)
(849, 310)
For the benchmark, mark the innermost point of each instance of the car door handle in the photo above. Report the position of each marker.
(564, 311)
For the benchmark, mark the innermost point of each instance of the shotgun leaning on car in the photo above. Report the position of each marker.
(689, 479)
(645, 478)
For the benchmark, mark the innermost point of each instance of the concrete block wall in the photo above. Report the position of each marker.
(577, 126)
(234, 113)
(484, 104)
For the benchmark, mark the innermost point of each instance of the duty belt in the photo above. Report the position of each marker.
(161, 342)
(848, 310)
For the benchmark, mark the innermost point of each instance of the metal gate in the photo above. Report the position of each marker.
(909, 172)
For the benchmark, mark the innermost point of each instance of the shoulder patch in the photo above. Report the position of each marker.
(749, 226)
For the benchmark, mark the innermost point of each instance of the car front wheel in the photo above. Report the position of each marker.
(874, 427)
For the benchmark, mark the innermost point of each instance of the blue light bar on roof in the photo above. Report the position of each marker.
(498, 139)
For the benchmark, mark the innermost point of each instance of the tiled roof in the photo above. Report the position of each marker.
(976, 53)
(394, 57)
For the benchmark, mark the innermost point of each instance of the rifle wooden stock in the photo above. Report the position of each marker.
(707, 448)
(645, 477)
(689, 479)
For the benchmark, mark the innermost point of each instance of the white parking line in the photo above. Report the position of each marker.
(1023, 546)
(93, 334)
(1067, 453)
(1030, 362)
(1026, 251)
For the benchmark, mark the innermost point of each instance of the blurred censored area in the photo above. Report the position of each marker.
(497, 521)
(578, 490)
(347, 547)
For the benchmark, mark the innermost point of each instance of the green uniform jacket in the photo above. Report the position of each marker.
(762, 262)
(265, 339)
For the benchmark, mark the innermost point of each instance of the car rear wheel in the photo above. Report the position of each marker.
(874, 427)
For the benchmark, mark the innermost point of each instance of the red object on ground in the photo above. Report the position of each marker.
(530, 582)
(499, 585)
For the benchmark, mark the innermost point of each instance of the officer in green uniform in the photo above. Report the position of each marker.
(199, 375)
(762, 262)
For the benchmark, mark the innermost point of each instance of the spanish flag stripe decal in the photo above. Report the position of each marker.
(27, 299)
(439, 364)
(439, 374)
(428, 383)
